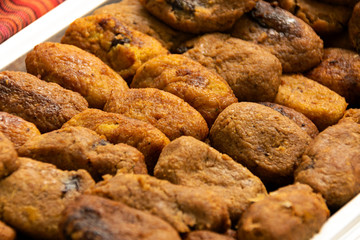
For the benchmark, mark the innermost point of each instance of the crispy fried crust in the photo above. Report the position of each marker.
(8, 157)
(16, 129)
(290, 39)
(93, 218)
(185, 208)
(324, 18)
(352, 114)
(74, 69)
(167, 112)
(190, 162)
(119, 46)
(33, 197)
(331, 164)
(75, 148)
(198, 16)
(292, 212)
(6, 232)
(206, 235)
(300, 119)
(250, 70)
(47, 105)
(118, 128)
(339, 71)
(320, 104)
(134, 15)
(204, 90)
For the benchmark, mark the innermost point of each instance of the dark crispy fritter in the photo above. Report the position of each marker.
(119, 46)
(354, 27)
(294, 42)
(320, 104)
(74, 69)
(198, 16)
(167, 112)
(118, 128)
(16, 129)
(96, 218)
(47, 105)
(292, 212)
(204, 90)
(6, 232)
(250, 70)
(133, 14)
(185, 208)
(75, 148)
(331, 164)
(300, 119)
(261, 139)
(33, 197)
(324, 18)
(190, 162)
(206, 235)
(8, 157)
(339, 71)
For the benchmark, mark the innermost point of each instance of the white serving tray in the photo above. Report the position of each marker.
(343, 225)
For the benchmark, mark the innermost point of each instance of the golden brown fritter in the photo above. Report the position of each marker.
(331, 164)
(93, 218)
(8, 157)
(198, 16)
(339, 71)
(6, 232)
(204, 90)
(75, 148)
(266, 142)
(167, 112)
(33, 197)
(354, 27)
(75, 69)
(185, 208)
(300, 119)
(290, 39)
(324, 18)
(250, 70)
(119, 46)
(320, 104)
(190, 162)
(292, 212)
(134, 15)
(47, 105)
(118, 128)
(206, 235)
(352, 114)
(16, 129)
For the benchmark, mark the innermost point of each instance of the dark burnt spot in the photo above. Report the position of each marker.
(120, 39)
(333, 62)
(73, 183)
(102, 142)
(182, 49)
(87, 220)
(275, 18)
(182, 5)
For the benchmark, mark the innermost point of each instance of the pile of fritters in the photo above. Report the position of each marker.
(179, 119)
